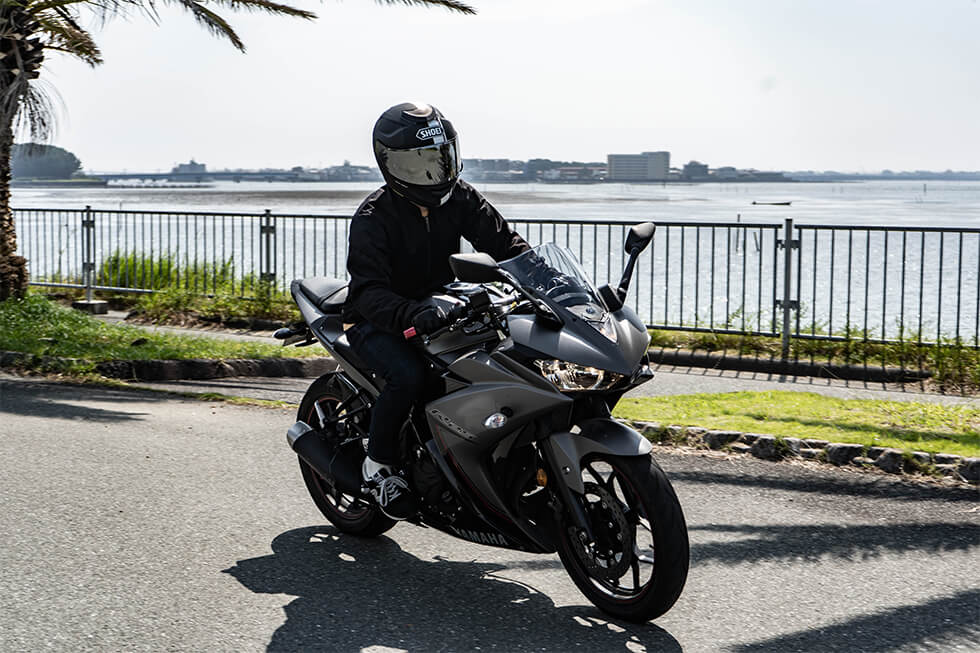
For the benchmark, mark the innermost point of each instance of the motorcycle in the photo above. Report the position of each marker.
(515, 447)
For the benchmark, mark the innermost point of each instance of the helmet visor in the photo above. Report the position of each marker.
(423, 166)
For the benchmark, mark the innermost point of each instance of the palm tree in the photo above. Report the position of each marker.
(28, 28)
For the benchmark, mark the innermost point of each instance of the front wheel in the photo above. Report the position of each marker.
(635, 565)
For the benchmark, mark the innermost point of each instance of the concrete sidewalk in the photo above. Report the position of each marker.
(670, 379)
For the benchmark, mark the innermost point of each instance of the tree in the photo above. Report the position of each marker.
(39, 161)
(28, 28)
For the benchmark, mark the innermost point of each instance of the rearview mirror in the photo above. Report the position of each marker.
(639, 237)
(475, 268)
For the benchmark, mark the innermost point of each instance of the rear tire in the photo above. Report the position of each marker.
(637, 566)
(349, 513)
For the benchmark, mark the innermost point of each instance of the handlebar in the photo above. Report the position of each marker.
(412, 332)
(461, 313)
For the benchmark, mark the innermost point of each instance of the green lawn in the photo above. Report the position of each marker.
(36, 325)
(904, 425)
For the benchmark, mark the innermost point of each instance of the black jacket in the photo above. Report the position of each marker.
(396, 257)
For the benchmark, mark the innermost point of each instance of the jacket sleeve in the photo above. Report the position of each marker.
(369, 265)
(487, 231)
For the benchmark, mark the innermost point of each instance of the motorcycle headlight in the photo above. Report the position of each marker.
(569, 376)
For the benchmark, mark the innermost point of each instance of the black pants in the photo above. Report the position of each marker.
(405, 374)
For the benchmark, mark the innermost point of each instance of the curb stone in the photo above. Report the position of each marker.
(718, 439)
(769, 447)
(841, 454)
(891, 461)
(194, 368)
(921, 457)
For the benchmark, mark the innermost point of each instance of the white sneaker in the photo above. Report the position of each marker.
(389, 489)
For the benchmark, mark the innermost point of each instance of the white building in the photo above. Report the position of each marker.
(648, 166)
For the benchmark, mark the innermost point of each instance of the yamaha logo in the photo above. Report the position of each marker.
(428, 132)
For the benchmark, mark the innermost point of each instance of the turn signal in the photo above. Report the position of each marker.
(542, 478)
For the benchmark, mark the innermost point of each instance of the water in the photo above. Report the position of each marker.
(892, 203)
(888, 284)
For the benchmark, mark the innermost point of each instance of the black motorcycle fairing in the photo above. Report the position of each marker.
(600, 435)
(579, 342)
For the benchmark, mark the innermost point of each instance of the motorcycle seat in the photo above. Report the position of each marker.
(326, 293)
(345, 351)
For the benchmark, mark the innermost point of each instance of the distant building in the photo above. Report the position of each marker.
(348, 172)
(695, 171)
(725, 173)
(492, 170)
(571, 174)
(648, 166)
(191, 168)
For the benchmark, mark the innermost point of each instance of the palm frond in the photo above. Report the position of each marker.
(265, 6)
(38, 114)
(65, 35)
(211, 21)
(102, 10)
(452, 5)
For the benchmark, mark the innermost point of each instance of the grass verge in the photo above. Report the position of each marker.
(953, 363)
(933, 428)
(211, 291)
(35, 325)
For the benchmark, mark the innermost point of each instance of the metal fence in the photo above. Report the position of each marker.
(874, 284)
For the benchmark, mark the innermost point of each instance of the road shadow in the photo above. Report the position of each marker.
(812, 543)
(937, 625)
(33, 399)
(871, 486)
(354, 593)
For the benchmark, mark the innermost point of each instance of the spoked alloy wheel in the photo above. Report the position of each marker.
(349, 513)
(636, 565)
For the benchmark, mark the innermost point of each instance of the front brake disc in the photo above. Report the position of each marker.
(611, 553)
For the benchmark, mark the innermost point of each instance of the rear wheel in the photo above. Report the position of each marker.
(349, 513)
(635, 566)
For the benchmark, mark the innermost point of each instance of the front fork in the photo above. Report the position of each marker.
(564, 452)
(572, 500)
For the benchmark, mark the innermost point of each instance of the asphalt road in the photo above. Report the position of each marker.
(136, 521)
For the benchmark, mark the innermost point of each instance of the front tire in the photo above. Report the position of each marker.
(350, 514)
(637, 564)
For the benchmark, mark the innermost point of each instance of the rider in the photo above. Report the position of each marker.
(401, 238)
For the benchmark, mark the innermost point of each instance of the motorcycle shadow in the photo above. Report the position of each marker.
(354, 594)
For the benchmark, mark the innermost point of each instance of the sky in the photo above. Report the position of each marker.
(850, 85)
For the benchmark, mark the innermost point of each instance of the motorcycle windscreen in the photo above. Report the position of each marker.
(553, 271)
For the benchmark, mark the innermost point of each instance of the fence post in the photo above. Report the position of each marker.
(89, 305)
(788, 243)
(267, 249)
(88, 252)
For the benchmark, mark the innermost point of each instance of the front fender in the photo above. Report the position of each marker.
(566, 449)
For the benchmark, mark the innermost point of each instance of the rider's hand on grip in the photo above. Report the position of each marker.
(429, 320)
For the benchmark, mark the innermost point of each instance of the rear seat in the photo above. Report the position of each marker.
(326, 293)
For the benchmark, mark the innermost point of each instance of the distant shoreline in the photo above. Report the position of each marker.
(58, 183)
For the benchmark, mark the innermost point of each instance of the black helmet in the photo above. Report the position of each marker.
(417, 151)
